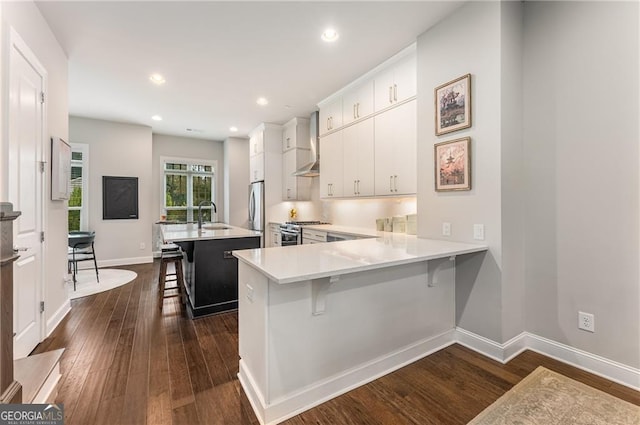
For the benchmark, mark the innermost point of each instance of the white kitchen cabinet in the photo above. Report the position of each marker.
(256, 167)
(396, 84)
(358, 145)
(256, 143)
(395, 151)
(311, 236)
(274, 232)
(332, 157)
(357, 103)
(295, 188)
(330, 116)
(295, 134)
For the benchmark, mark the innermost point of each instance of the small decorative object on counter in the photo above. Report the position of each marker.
(293, 213)
(412, 224)
(388, 224)
(399, 224)
(380, 224)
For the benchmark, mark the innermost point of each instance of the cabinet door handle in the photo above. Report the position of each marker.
(358, 186)
(395, 183)
(390, 94)
(358, 109)
(354, 111)
(390, 183)
(355, 191)
(288, 142)
(395, 92)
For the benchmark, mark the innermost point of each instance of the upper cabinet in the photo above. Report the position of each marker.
(265, 153)
(357, 103)
(330, 116)
(295, 134)
(256, 143)
(358, 147)
(395, 151)
(331, 171)
(396, 84)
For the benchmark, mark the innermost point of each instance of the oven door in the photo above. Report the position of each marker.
(289, 237)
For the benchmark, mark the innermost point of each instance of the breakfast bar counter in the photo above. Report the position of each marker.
(318, 320)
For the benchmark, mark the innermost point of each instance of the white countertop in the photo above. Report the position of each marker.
(295, 263)
(190, 232)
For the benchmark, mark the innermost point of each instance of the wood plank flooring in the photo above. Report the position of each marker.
(126, 362)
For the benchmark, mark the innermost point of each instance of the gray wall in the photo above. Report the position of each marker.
(582, 185)
(26, 19)
(477, 39)
(117, 149)
(555, 169)
(236, 181)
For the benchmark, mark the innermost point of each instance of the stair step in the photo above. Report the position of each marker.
(38, 375)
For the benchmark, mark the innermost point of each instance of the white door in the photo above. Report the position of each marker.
(26, 120)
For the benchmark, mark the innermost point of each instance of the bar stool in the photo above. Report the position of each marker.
(171, 254)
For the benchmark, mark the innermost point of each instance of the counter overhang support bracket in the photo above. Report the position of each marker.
(319, 290)
(431, 273)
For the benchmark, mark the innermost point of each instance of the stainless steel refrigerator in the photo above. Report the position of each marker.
(256, 206)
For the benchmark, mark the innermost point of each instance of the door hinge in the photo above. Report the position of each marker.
(41, 236)
(42, 97)
(41, 306)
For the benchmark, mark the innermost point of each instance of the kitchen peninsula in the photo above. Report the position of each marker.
(318, 320)
(210, 271)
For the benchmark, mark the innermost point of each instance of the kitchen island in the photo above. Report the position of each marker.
(318, 320)
(210, 271)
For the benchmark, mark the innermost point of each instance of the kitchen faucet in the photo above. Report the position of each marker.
(215, 210)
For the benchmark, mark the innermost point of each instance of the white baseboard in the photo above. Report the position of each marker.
(291, 405)
(609, 369)
(57, 317)
(125, 261)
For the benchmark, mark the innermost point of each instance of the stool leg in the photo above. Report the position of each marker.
(161, 282)
(180, 282)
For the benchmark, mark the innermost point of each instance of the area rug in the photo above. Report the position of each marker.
(109, 279)
(547, 398)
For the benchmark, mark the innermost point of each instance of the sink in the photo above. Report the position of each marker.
(215, 226)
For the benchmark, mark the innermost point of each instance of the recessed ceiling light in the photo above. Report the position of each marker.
(157, 79)
(156, 118)
(330, 35)
(233, 129)
(262, 101)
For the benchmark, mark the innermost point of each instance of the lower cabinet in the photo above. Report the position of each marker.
(211, 273)
(310, 236)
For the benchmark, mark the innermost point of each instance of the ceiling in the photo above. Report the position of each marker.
(219, 57)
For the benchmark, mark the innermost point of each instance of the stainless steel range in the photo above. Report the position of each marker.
(291, 231)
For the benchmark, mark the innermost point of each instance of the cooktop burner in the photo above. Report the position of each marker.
(302, 223)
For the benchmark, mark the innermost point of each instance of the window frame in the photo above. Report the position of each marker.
(190, 207)
(84, 164)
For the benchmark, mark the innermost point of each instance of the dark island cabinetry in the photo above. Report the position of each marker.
(211, 273)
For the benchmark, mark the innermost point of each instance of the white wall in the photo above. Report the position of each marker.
(118, 149)
(582, 159)
(236, 181)
(477, 39)
(26, 19)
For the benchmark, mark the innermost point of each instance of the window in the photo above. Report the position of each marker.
(187, 183)
(78, 200)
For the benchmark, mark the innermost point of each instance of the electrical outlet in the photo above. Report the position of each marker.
(586, 322)
(143, 245)
(250, 293)
(446, 229)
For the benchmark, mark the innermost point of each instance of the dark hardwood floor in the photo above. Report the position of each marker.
(126, 362)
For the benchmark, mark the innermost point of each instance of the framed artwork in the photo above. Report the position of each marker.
(453, 105)
(453, 165)
(119, 198)
(60, 169)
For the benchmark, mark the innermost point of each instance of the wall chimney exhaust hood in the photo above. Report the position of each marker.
(312, 168)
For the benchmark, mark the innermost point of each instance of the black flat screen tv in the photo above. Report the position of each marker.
(119, 198)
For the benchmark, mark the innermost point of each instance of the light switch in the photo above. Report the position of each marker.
(250, 293)
(446, 229)
(478, 232)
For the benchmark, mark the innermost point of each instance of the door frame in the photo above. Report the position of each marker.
(21, 47)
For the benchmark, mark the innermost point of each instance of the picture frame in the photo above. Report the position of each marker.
(453, 105)
(60, 169)
(119, 198)
(453, 165)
